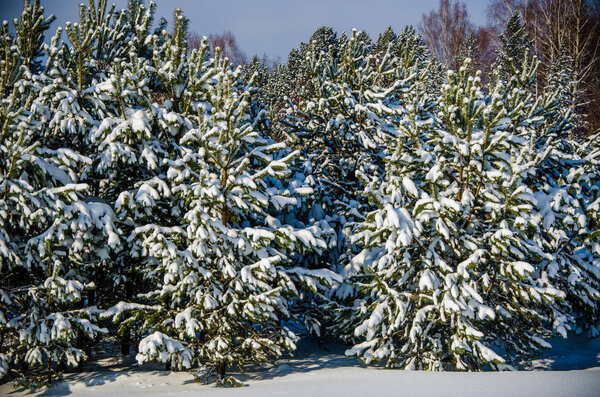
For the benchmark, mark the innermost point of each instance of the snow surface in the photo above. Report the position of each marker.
(571, 368)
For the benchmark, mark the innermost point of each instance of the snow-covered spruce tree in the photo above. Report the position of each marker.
(565, 186)
(219, 264)
(562, 80)
(127, 145)
(339, 130)
(145, 135)
(513, 51)
(450, 274)
(53, 237)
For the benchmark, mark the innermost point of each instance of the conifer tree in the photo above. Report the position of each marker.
(53, 238)
(93, 84)
(410, 54)
(468, 49)
(257, 76)
(407, 47)
(567, 199)
(256, 67)
(296, 76)
(566, 190)
(513, 52)
(218, 264)
(564, 184)
(385, 39)
(226, 283)
(275, 93)
(562, 79)
(340, 130)
(449, 270)
(30, 30)
(564, 187)
(337, 128)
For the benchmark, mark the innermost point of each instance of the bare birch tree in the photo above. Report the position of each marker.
(553, 26)
(446, 29)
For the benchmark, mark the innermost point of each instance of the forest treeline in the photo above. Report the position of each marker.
(554, 28)
(428, 213)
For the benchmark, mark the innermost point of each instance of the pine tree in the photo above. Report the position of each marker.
(296, 76)
(564, 187)
(54, 238)
(276, 92)
(449, 270)
(14, 142)
(90, 129)
(410, 54)
(567, 200)
(30, 31)
(469, 49)
(145, 134)
(324, 40)
(225, 277)
(337, 127)
(256, 67)
(218, 263)
(257, 76)
(385, 39)
(513, 53)
(407, 47)
(562, 79)
(566, 190)
(91, 86)
(340, 131)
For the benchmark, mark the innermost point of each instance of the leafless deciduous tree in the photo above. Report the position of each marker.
(194, 41)
(567, 24)
(486, 48)
(227, 42)
(553, 26)
(446, 29)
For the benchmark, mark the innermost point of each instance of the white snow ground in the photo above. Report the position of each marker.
(570, 369)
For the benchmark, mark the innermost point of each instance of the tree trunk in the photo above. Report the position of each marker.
(126, 336)
(221, 369)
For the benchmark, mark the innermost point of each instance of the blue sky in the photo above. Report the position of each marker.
(273, 27)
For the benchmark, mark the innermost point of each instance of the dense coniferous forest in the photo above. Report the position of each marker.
(202, 214)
